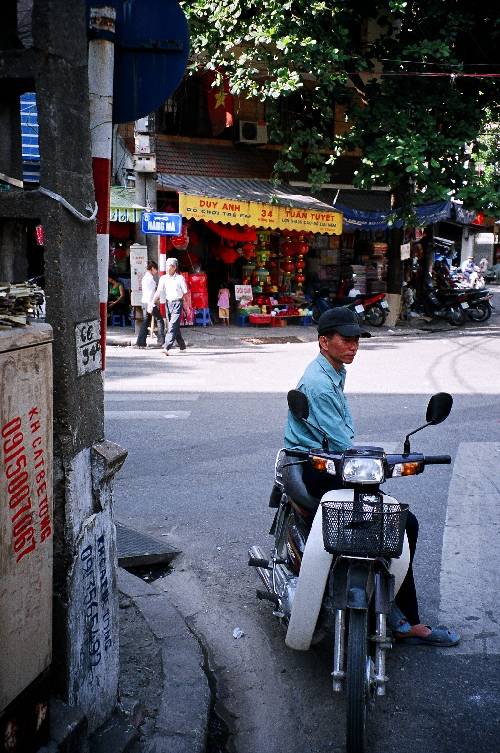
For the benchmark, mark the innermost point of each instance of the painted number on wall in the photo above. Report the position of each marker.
(88, 346)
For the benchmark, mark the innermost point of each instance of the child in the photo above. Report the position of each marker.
(223, 304)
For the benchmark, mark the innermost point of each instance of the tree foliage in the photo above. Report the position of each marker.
(419, 133)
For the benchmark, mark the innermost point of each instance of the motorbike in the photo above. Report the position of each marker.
(456, 305)
(337, 563)
(373, 308)
(476, 302)
(448, 304)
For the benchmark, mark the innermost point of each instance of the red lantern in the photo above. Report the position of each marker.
(228, 255)
(300, 263)
(299, 278)
(288, 266)
(180, 242)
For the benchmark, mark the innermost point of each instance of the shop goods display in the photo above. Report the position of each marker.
(18, 303)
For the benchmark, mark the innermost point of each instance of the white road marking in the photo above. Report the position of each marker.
(150, 415)
(127, 397)
(470, 564)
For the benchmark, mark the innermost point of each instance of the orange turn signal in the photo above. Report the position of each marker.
(318, 463)
(406, 469)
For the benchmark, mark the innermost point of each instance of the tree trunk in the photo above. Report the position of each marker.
(399, 197)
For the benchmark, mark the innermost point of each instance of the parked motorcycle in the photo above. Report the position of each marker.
(336, 564)
(373, 308)
(450, 305)
(455, 304)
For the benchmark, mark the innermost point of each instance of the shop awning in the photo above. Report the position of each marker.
(122, 206)
(258, 203)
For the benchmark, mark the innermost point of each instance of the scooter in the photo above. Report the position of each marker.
(449, 304)
(373, 308)
(337, 563)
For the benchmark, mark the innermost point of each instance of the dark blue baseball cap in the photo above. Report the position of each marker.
(342, 320)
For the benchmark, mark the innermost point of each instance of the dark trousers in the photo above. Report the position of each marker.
(317, 484)
(174, 310)
(146, 321)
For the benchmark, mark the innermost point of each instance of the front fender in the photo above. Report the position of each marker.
(314, 569)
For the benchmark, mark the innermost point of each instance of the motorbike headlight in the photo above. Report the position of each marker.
(363, 470)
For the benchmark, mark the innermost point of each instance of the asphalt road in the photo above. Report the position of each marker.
(202, 429)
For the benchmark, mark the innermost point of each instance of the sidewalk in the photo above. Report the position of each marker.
(218, 336)
(165, 698)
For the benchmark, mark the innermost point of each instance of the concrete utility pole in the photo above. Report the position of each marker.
(145, 176)
(101, 66)
(145, 189)
(85, 609)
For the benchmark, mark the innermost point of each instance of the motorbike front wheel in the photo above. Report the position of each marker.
(375, 316)
(481, 312)
(357, 681)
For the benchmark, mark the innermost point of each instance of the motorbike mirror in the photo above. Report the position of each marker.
(439, 408)
(297, 402)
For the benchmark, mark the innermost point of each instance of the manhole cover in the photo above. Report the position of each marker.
(137, 549)
(265, 340)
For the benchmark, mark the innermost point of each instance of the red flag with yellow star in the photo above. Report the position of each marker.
(220, 103)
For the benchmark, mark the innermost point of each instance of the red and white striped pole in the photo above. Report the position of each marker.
(163, 267)
(101, 64)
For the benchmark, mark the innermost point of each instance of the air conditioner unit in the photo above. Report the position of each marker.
(251, 132)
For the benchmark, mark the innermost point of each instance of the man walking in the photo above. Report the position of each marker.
(149, 310)
(171, 290)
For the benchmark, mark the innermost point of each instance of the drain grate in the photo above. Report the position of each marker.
(138, 550)
(265, 340)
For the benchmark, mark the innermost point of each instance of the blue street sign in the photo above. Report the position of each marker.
(161, 223)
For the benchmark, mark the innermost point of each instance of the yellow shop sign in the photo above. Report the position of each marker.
(256, 214)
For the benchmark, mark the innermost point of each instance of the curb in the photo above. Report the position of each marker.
(179, 723)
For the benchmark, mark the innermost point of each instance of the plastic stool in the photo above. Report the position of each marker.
(242, 320)
(118, 320)
(202, 316)
(306, 320)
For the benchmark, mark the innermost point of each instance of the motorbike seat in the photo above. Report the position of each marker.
(294, 486)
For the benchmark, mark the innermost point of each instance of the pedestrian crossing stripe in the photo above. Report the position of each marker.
(470, 561)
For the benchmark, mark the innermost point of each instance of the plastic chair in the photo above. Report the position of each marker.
(118, 320)
(202, 317)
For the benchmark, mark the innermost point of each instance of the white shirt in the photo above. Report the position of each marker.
(148, 287)
(171, 288)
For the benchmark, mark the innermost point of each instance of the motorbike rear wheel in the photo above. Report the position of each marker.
(316, 313)
(456, 316)
(375, 316)
(357, 681)
(481, 312)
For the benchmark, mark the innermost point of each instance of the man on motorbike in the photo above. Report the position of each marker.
(323, 384)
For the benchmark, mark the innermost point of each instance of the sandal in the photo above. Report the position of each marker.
(439, 636)
(402, 630)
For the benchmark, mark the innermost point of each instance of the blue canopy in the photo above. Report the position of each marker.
(427, 214)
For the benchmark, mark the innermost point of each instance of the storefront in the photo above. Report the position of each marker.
(252, 238)
(124, 214)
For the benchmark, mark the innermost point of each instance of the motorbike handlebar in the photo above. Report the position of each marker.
(437, 459)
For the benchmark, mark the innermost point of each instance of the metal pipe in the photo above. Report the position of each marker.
(338, 673)
(380, 649)
(256, 552)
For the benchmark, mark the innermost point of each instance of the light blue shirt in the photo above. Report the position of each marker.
(324, 388)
